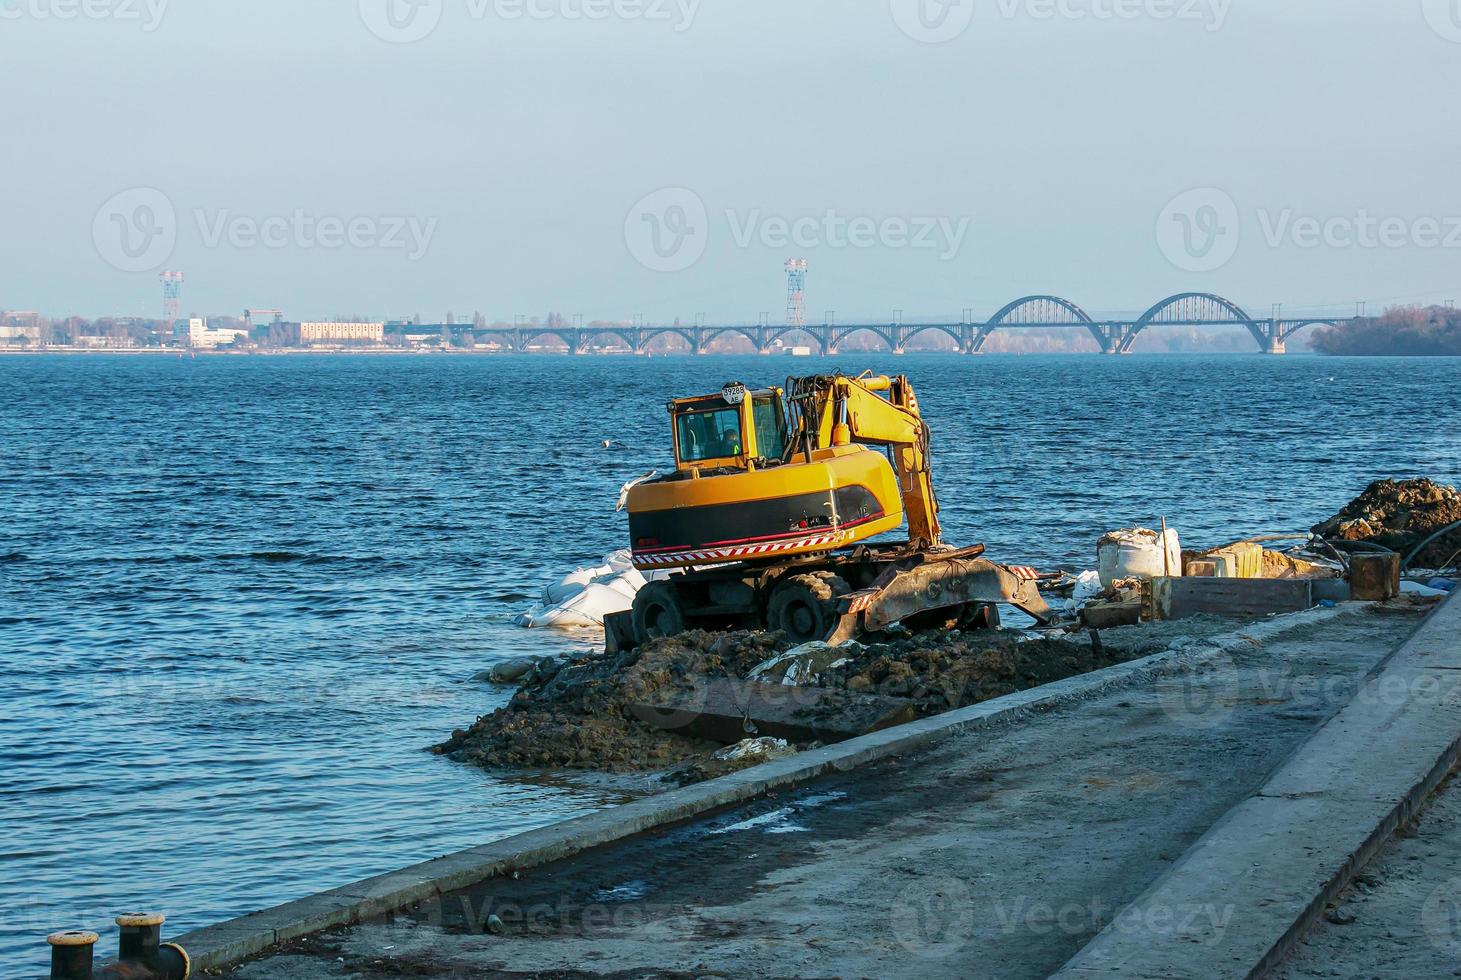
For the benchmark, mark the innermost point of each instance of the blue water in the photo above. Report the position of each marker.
(242, 595)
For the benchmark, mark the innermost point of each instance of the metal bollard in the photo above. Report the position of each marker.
(141, 948)
(71, 954)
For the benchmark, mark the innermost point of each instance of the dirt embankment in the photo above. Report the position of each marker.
(581, 714)
(1399, 515)
(578, 714)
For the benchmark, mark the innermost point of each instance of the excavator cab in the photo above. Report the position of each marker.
(734, 429)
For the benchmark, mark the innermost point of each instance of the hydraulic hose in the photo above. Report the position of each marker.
(1405, 562)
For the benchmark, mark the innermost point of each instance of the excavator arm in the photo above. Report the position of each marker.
(836, 410)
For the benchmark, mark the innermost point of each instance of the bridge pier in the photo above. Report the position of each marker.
(1112, 338)
(1271, 337)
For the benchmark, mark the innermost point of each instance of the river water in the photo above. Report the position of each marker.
(240, 596)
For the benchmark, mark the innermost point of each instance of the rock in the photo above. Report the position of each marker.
(1339, 917)
(495, 926)
(508, 671)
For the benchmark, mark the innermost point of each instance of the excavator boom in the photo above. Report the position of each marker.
(837, 410)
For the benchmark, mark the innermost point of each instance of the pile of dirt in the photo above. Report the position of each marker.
(1400, 515)
(941, 672)
(577, 715)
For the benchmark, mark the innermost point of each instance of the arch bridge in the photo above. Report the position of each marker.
(1042, 312)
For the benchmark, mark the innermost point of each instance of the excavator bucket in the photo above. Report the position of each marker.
(939, 583)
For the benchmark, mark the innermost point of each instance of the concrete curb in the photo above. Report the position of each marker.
(229, 942)
(1238, 901)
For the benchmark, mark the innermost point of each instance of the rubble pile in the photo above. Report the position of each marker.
(581, 714)
(941, 672)
(1400, 515)
(578, 714)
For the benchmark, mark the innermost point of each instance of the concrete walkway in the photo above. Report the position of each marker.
(993, 853)
(1401, 916)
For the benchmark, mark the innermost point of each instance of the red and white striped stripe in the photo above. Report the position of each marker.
(713, 556)
(1024, 572)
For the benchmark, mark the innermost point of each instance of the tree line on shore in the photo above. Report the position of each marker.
(1413, 331)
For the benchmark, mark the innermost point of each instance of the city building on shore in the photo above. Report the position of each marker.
(19, 328)
(104, 342)
(320, 333)
(197, 334)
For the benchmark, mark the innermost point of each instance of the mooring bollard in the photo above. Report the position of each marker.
(71, 954)
(141, 945)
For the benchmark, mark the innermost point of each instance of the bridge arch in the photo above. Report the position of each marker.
(509, 338)
(747, 332)
(841, 334)
(1294, 327)
(1194, 308)
(1044, 310)
(569, 337)
(948, 331)
(650, 334)
(811, 333)
(588, 333)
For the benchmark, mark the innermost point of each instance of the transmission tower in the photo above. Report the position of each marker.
(172, 291)
(796, 293)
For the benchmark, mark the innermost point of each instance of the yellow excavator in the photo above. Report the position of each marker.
(768, 518)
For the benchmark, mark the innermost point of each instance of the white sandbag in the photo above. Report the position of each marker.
(619, 561)
(625, 586)
(1137, 553)
(588, 608)
(585, 596)
(1087, 586)
(569, 586)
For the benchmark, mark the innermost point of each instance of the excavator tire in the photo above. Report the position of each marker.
(804, 607)
(657, 612)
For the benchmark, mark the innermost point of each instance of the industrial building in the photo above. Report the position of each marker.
(310, 334)
(198, 335)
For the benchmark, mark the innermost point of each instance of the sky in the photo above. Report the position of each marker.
(665, 158)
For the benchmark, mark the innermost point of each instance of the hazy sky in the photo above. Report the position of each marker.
(615, 157)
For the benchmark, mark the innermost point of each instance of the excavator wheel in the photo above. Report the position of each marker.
(804, 607)
(657, 612)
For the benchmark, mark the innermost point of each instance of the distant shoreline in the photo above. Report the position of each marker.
(185, 352)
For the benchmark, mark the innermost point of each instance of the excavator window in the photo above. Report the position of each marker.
(770, 422)
(715, 434)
